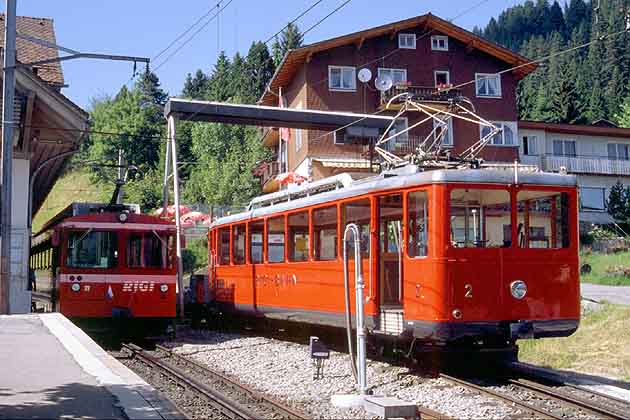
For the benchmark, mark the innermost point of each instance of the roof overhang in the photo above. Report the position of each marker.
(294, 59)
(584, 130)
(268, 116)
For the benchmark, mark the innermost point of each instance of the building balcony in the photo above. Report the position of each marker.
(586, 165)
(423, 94)
(267, 172)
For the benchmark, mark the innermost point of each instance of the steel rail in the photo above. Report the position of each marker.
(569, 399)
(229, 408)
(286, 411)
(498, 395)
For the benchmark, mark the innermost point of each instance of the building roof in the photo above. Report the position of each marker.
(586, 130)
(28, 51)
(294, 59)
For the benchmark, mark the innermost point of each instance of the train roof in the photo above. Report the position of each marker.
(405, 177)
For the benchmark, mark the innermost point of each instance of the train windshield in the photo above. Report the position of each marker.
(92, 249)
(149, 250)
(480, 218)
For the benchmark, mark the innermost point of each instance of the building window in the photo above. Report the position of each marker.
(407, 41)
(342, 78)
(298, 237)
(442, 77)
(564, 148)
(275, 239)
(298, 140)
(439, 43)
(398, 76)
(593, 198)
(325, 233)
(618, 151)
(530, 147)
(439, 127)
(488, 85)
(505, 136)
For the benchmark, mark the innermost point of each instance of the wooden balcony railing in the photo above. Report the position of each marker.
(587, 165)
(420, 94)
(267, 171)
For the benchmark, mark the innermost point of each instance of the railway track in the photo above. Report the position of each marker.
(225, 398)
(549, 402)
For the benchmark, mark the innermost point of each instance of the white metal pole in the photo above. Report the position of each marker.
(6, 201)
(178, 245)
(167, 162)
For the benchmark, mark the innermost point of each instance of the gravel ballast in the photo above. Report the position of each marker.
(284, 371)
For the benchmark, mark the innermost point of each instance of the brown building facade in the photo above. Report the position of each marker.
(422, 52)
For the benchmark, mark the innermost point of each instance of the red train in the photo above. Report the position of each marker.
(481, 256)
(102, 261)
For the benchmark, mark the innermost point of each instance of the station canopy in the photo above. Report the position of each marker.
(269, 116)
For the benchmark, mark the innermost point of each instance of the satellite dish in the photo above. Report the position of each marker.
(384, 83)
(365, 75)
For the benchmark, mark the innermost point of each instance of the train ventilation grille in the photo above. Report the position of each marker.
(391, 321)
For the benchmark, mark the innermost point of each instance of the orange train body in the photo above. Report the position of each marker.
(89, 263)
(439, 261)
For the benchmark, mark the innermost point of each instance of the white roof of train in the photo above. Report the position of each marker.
(405, 178)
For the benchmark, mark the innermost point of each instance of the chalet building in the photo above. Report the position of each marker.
(422, 52)
(598, 154)
(49, 128)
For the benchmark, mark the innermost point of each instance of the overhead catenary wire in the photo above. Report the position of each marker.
(319, 22)
(293, 21)
(194, 34)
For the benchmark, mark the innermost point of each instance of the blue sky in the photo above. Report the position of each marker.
(144, 27)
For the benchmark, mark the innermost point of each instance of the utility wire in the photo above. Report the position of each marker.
(293, 21)
(191, 37)
(326, 17)
(180, 36)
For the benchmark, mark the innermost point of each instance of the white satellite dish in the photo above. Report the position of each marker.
(365, 75)
(384, 83)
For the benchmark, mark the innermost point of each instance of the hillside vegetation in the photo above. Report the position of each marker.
(582, 86)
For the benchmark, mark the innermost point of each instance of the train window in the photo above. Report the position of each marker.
(256, 230)
(275, 239)
(92, 249)
(148, 250)
(238, 244)
(298, 237)
(480, 218)
(418, 223)
(325, 233)
(543, 219)
(224, 246)
(359, 212)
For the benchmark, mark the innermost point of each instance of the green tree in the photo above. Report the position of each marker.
(564, 104)
(260, 69)
(623, 116)
(290, 38)
(617, 202)
(194, 87)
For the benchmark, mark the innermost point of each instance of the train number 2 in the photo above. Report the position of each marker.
(468, 293)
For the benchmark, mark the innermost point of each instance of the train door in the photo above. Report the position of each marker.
(389, 258)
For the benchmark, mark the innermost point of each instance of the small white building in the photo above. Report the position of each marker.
(598, 154)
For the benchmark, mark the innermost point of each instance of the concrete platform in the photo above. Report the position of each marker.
(49, 368)
(619, 295)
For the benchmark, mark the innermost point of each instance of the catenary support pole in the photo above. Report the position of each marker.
(178, 225)
(8, 92)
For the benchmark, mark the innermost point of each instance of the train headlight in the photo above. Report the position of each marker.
(122, 217)
(76, 287)
(163, 288)
(518, 289)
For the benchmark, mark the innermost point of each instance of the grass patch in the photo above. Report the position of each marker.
(600, 262)
(73, 186)
(601, 345)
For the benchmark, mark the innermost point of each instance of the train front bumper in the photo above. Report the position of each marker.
(491, 330)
